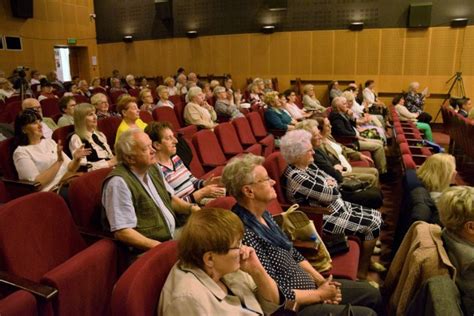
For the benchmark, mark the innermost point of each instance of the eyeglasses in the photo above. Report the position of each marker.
(267, 179)
(238, 247)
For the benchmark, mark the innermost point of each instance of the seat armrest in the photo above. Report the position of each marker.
(31, 185)
(38, 290)
(95, 233)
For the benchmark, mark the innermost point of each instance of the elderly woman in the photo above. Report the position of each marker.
(39, 159)
(334, 90)
(414, 101)
(437, 173)
(128, 108)
(331, 164)
(198, 111)
(289, 99)
(310, 102)
(66, 106)
(83, 89)
(185, 185)
(95, 85)
(164, 95)
(87, 136)
(456, 210)
(373, 104)
(247, 180)
(146, 98)
(116, 86)
(216, 274)
(169, 83)
(101, 103)
(276, 117)
(255, 93)
(130, 82)
(405, 115)
(6, 89)
(307, 185)
(223, 106)
(181, 84)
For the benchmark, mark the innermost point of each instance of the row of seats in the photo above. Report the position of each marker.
(458, 127)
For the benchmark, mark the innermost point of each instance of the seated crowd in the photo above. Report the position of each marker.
(241, 261)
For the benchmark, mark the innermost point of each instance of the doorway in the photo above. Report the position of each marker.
(72, 61)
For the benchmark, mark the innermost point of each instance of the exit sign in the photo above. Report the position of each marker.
(71, 41)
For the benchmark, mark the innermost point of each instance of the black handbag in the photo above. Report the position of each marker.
(353, 185)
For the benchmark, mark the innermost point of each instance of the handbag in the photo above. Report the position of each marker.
(302, 231)
(354, 185)
(336, 244)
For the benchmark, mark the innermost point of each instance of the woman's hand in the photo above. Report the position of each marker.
(213, 190)
(59, 152)
(112, 162)
(249, 261)
(366, 158)
(81, 152)
(213, 180)
(328, 291)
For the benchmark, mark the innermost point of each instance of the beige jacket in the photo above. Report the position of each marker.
(194, 114)
(420, 257)
(191, 292)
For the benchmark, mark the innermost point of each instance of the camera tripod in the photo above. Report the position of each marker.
(458, 82)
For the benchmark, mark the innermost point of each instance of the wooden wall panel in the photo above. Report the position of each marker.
(322, 57)
(442, 51)
(279, 53)
(221, 50)
(300, 63)
(467, 54)
(259, 54)
(368, 52)
(240, 54)
(417, 52)
(392, 51)
(345, 52)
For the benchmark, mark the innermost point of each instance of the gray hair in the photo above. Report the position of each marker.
(413, 85)
(293, 145)
(129, 78)
(307, 125)
(194, 91)
(97, 98)
(335, 103)
(126, 144)
(239, 172)
(307, 87)
(218, 89)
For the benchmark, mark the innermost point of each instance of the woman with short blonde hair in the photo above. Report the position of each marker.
(310, 102)
(437, 173)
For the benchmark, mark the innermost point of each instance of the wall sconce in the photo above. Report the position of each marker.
(356, 26)
(128, 38)
(268, 29)
(192, 34)
(459, 22)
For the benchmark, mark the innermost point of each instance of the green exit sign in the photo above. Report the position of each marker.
(71, 41)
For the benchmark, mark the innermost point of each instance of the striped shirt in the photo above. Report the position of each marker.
(181, 179)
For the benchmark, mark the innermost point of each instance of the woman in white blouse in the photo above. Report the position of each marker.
(87, 136)
(39, 159)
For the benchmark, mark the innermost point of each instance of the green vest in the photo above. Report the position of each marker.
(150, 220)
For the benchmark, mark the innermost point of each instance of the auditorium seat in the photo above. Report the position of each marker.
(138, 290)
(230, 143)
(50, 107)
(109, 127)
(62, 134)
(167, 114)
(81, 98)
(114, 96)
(19, 303)
(196, 167)
(10, 112)
(208, 149)
(39, 242)
(134, 92)
(261, 133)
(145, 116)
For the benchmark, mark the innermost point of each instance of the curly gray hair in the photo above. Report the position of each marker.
(126, 144)
(239, 172)
(294, 144)
(194, 91)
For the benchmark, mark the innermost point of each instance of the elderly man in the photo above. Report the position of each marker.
(138, 208)
(247, 180)
(47, 123)
(343, 125)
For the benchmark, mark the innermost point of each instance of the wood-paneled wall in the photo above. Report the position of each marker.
(53, 22)
(392, 57)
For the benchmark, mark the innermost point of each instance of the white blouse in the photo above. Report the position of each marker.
(342, 159)
(31, 160)
(103, 154)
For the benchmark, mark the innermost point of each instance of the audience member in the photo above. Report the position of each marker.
(247, 180)
(185, 185)
(267, 86)
(130, 82)
(137, 208)
(456, 210)
(52, 77)
(465, 106)
(144, 83)
(101, 103)
(206, 89)
(374, 105)
(293, 109)
(276, 117)
(181, 84)
(216, 274)
(146, 98)
(405, 115)
(334, 90)
(96, 87)
(87, 136)
(6, 89)
(254, 96)
(310, 102)
(307, 185)
(164, 94)
(437, 173)
(192, 80)
(170, 85)
(83, 89)
(46, 91)
(223, 106)
(414, 101)
(198, 111)
(39, 159)
(116, 86)
(35, 77)
(128, 108)
(47, 123)
(66, 106)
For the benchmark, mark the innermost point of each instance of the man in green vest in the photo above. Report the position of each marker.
(138, 209)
